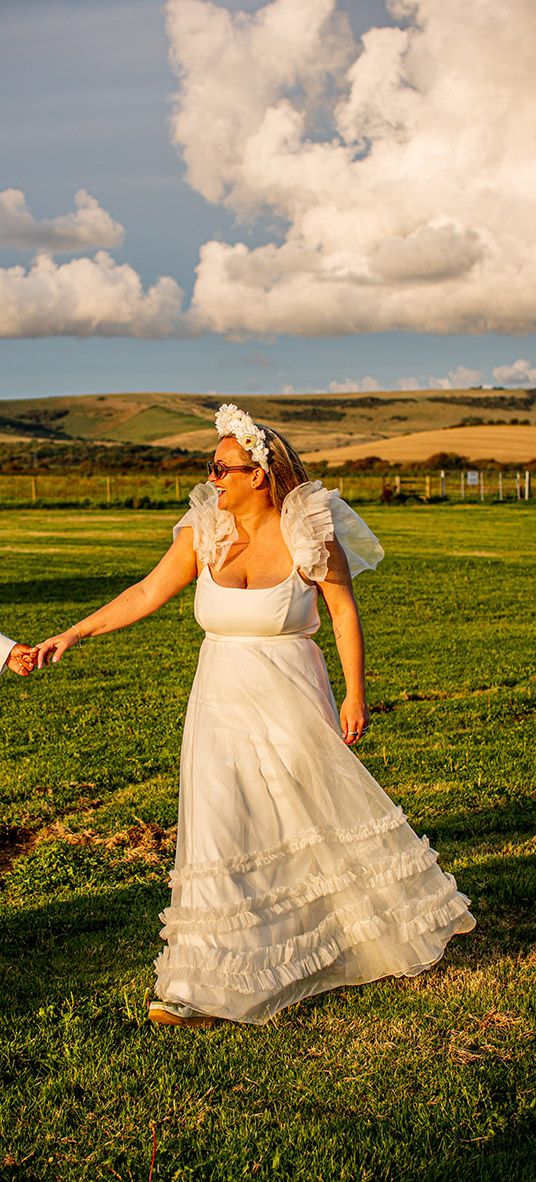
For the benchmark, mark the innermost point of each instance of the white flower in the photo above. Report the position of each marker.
(230, 420)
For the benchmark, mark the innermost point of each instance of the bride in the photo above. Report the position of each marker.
(295, 872)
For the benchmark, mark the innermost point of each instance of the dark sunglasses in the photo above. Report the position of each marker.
(215, 468)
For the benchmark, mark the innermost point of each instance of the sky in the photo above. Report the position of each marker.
(282, 196)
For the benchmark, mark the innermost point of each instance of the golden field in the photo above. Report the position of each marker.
(505, 443)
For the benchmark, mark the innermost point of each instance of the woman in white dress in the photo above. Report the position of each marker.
(295, 873)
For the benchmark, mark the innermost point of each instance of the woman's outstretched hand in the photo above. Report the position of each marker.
(52, 650)
(354, 720)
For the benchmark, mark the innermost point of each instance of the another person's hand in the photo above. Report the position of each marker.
(54, 648)
(21, 660)
(354, 720)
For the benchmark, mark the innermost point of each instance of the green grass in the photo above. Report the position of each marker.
(423, 1080)
(154, 422)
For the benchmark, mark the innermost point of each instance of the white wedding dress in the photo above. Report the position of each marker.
(295, 872)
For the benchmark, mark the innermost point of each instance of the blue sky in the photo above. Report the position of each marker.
(86, 89)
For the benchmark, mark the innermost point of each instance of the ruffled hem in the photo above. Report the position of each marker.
(370, 925)
(261, 909)
(274, 968)
(254, 861)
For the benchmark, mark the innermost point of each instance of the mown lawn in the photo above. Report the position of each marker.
(423, 1079)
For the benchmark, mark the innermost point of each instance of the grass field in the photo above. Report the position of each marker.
(422, 1080)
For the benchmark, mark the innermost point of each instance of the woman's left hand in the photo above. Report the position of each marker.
(54, 648)
(354, 720)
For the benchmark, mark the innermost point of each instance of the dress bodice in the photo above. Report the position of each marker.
(311, 517)
(288, 609)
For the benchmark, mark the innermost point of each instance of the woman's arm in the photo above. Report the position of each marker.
(339, 598)
(176, 569)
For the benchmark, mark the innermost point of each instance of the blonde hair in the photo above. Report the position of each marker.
(285, 471)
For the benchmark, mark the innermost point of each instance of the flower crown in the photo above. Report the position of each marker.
(230, 420)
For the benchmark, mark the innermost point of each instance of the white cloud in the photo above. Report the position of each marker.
(233, 69)
(519, 373)
(408, 384)
(89, 227)
(354, 385)
(461, 378)
(402, 166)
(87, 297)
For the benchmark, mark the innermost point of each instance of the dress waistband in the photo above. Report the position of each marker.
(222, 639)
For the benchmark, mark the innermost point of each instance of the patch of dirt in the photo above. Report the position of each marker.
(143, 841)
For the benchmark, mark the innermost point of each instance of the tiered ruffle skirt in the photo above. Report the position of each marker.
(295, 872)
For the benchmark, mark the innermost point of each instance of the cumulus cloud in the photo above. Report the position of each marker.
(364, 385)
(519, 373)
(86, 297)
(88, 227)
(408, 384)
(401, 166)
(461, 378)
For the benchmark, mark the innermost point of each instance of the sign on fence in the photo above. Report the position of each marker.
(472, 478)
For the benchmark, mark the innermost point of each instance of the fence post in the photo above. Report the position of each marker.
(398, 485)
(108, 490)
(427, 487)
(527, 484)
(462, 484)
(500, 486)
(177, 488)
(34, 488)
(481, 486)
(518, 485)
(442, 484)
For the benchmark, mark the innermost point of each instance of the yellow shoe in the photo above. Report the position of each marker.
(170, 1013)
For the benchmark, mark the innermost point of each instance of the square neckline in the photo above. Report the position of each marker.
(272, 587)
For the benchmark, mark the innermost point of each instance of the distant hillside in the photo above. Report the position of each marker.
(313, 422)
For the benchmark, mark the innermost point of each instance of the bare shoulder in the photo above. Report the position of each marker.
(183, 550)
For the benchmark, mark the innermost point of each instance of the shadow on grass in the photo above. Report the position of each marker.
(78, 589)
(80, 945)
(516, 817)
(507, 1157)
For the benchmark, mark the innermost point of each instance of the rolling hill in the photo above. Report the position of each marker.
(330, 426)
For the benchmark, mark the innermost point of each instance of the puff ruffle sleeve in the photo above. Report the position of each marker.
(214, 529)
(313, 515)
